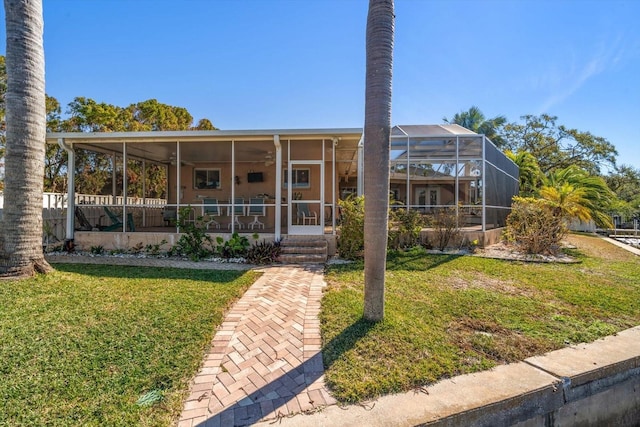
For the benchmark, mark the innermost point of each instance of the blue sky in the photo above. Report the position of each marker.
(252, 64)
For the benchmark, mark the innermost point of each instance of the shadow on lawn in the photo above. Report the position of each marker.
(404, 261)
(136, 272)
(418, 261)
(254, 407)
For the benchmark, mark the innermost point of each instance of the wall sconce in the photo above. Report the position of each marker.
(237, 180)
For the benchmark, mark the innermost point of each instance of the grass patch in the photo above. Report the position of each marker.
(98, 345)
(447, 315)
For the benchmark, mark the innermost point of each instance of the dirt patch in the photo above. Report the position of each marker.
(482, 281)
(488, 339)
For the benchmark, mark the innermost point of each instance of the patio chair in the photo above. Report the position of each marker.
(85, 225)
(238, 211)
(307, 217)
(210, 211)
(169, 215)
(256, 208)
(116, 221)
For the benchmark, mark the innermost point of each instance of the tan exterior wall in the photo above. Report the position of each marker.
(111, 241)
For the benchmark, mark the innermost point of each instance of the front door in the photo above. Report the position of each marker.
(427, 198)
(304, 182)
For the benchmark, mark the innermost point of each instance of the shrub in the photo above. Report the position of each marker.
(351, 239)
(445, 227)
(404, 228)
(236, 247)
(194, 241)
(534, 226)
(262, 253)
(154, 249)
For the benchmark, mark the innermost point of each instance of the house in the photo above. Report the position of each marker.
(287, 182)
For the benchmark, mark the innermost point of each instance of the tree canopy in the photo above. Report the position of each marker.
(87, 115)
(557, 147)
(473, 119)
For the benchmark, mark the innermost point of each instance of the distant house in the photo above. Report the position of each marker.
(287, 182)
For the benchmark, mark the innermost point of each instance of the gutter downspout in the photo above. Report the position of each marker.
(278, 218)
(71, 193)
(360, 183)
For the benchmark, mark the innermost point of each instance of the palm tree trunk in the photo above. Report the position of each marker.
(377, 132)
(21, 227)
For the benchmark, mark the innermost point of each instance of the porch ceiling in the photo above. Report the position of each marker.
(207, 146)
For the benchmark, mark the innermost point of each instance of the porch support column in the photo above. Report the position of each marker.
(484, 185)
(71, 191)
(124, 187)
(456, 186)
(232, 204)
(113, 179)
(278, 213)
(334, 206)
(408, 182)
(144, 193)
(360, 188)
(178, 186)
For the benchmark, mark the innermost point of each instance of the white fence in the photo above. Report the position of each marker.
(146, 212)
(59, 200)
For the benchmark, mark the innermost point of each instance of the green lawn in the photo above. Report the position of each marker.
(446, 315)
(81, 345)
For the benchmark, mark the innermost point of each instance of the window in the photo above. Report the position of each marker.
(206, 178)
(299, 178)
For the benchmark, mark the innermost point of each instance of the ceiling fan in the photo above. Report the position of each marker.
(268, 159)
(173, 159)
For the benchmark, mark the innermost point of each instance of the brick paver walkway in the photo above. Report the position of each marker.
(265, 360)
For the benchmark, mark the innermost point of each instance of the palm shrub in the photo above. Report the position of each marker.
(351, 239)
(535, 226)
(576, 194)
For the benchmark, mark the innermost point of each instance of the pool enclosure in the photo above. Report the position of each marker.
(439, 166)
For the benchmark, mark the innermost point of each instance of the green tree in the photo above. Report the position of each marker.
(55, 159)
(153, 115)
(205, 124)
(87, 115)
(473, 119)
(530, 174)
(557, 147)
(377, 133)
(21, 226)
(95, 169)
(625, 182)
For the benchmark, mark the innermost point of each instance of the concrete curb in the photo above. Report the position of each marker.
(586, 384)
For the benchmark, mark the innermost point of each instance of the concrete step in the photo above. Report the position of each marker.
(304, 242)
(303, 250)
(302, 258)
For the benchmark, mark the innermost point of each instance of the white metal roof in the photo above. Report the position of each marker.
(200, 135)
